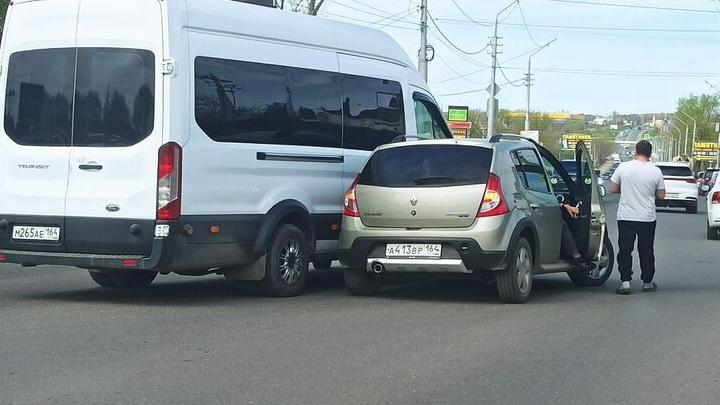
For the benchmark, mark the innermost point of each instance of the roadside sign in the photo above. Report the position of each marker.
(460, 129)
(534, 135)
(458, 114)
(569, 141)
(706, 151)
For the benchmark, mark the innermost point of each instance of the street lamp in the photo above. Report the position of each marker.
(529, 82)
(679, 136)
(687, 129)
(694, 133)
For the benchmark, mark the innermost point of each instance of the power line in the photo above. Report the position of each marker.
(527, 29)
(464, 57)
(377, 9)
(466, 14)
(584, 27)
(485, 68)
(369, 22)
(636, 6)
(369, 12)
(623, 73)
(510, 82)
(437, 27)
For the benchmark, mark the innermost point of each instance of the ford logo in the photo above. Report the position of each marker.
(112, 207)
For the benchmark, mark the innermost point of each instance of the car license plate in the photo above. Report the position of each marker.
(413, 250)
(44, 233)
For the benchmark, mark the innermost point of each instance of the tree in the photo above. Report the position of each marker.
(311, 7)
(705, 109)
(3, 11)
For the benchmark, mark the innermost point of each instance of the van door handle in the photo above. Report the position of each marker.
(90, 166)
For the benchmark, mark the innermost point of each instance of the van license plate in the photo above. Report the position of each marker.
(45, 233)
(413, 250)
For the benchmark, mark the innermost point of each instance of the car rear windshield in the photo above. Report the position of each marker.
(676, 171)
(427, 166)
(99, 97)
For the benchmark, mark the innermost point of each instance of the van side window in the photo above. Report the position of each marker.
(373, 112)
(39, 97)
(426, 119)
(532, 170)
(265, 104)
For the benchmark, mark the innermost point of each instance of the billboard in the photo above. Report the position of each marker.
(706, 151)
(569, 141)
(458, 114)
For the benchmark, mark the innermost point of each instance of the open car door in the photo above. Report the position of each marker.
(592, 222)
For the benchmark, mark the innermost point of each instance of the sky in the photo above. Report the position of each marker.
(592, 71)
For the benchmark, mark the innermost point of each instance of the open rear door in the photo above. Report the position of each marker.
(592, 221)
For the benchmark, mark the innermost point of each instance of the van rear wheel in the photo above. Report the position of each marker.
(514, 284)
(286, 266)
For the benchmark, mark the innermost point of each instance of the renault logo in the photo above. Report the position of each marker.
(413, 201)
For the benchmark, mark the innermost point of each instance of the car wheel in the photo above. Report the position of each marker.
(322, 264)
(133, 280)
(691, 210)
(514, 284)
(712, 233)
(286, 266)
(102, 279)
(361, 282)
(601, 273)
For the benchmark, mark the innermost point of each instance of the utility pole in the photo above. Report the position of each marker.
(492, 104)
(422, 53)
(528, 82)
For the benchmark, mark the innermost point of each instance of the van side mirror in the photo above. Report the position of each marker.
(603, 190)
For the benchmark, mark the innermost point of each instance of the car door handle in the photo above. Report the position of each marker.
(90, 166)
(534, 206)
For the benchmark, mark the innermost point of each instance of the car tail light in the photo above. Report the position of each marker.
(3, 257)
(716, 197)
(493, 202)
(350, 204)
(691, 181)
(169, 182)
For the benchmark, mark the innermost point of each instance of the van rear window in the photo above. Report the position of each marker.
(113, 103)
(427, 166)
(676, 171)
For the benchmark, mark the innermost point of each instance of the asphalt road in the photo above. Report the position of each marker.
(202, 341)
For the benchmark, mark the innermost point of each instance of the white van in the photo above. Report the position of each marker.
(194, 136)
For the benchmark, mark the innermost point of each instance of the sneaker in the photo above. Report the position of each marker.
(624, 288)
(649, 287)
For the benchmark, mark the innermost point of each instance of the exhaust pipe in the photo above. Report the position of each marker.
(377, 267)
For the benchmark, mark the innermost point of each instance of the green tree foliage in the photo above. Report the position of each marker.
(706, 111)
(3, 11)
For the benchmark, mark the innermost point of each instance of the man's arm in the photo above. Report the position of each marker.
(613, 187)
(660, 189)
(660, 194)
(614, 183)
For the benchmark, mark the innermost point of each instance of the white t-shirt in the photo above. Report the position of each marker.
(638, 181)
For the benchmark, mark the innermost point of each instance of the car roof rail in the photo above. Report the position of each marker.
(511, 137)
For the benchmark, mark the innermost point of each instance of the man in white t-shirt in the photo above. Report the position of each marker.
(639, 183)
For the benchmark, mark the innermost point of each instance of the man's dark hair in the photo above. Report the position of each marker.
(644, 148)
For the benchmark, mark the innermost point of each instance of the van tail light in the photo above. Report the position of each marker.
(350, 206)
(493, 202)
(169, 182)
(691, 181)
(716, 197)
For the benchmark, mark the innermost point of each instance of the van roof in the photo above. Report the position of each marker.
(233, 17)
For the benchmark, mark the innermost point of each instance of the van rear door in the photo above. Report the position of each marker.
(35, 148)
(113, 162)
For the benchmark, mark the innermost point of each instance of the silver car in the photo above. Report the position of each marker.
(473, 209)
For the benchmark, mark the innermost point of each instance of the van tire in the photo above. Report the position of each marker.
(286, 267)
(509, 280)
(102, 279)
(361, 282)
(133, 279)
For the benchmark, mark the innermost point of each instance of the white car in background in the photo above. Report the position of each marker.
(713, 212)
(680, 187)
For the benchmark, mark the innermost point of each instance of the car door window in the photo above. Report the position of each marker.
(559, 185)
(533, 173)
(429, 121)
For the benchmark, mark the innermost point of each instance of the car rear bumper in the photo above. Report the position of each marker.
(459, 256)
(677, 202)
